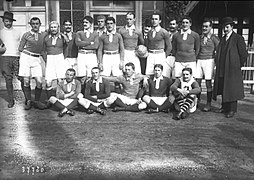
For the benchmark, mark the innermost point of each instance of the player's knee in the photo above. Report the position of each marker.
(146, 98)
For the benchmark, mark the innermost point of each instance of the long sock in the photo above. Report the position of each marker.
(133, 108)
(102, 106)
(152, 104)
(9, 87)
(209, 96)
(189, 100)
(120, 103)
(166, 105)
(59, 105)
(37, 92)
(49, 93)
(27, 92)
(92, 107)
(73, 104)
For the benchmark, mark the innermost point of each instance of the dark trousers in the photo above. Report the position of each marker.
(10, 68)
(227, 106)
(143, 65)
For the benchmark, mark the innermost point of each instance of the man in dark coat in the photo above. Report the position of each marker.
(228, 82)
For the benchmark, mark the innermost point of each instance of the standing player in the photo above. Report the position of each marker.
(87, 42)
(185, 47)
(131, 39)
(111, 50)
(101, 25)
(31, 48)
(173, 29)
(71, 51)
(205, 60)
(56, 66)
(157, 94)
(10, 58)
(159, 46)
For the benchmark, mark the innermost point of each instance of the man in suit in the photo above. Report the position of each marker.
(230, 57)
(71, 51)
(67, 92)
(157, 94)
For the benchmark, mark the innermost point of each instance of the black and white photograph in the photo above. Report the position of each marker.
(126, 90)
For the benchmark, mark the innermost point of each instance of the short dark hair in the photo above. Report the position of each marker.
(208, 20)
(131, 13)
(130, 64)
(71, 70)
(95, 68)
(67, 20)
(148, 22)
(156, 13)
(159, 66)
(110, 19)
(186, 17)
(89, 19)
(101, 17)
(34, 19)
(187, 69)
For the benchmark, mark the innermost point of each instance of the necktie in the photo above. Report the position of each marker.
(87, 34)
(69, 36)
(69, 87)
(154, 33)
(54, 38)
(185, 34)
(36, 36)
(205, 39)
(130, 31)
(110, 37)
(157, 83)
(97, 86)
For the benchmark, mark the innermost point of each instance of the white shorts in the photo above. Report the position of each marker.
(30, 66)
(130, 56)
(128, 101)
(56, 67)
(180, 65)
(170, 67)
(86, 102)
(64, 102)
(85, 63)
(156, 58)
(205, 67)
(111, 65)
(159, 100)
(71, 63)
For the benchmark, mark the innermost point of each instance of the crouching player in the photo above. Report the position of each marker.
(67, 92)
(97, 94)
(185, 90)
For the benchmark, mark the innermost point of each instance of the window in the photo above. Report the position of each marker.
(73, 10)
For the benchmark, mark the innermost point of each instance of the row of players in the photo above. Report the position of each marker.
(111, 50)
(139, 92)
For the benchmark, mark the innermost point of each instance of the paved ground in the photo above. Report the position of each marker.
(38, 145)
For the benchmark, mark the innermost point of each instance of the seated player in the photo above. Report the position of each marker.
(97, 94)
(185, 90)
(157, 94)
(67, 92)
(130, 99)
